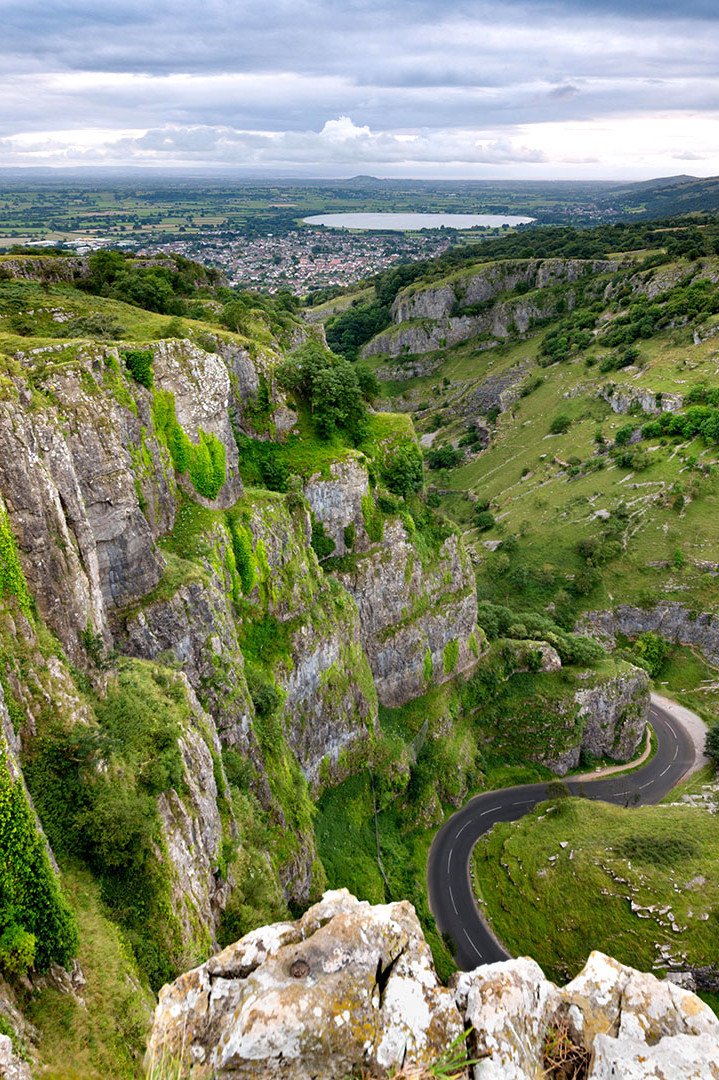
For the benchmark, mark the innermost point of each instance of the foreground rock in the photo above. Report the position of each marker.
(351, 987)
(348, 985)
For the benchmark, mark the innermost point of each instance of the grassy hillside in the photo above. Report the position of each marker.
(573, 875)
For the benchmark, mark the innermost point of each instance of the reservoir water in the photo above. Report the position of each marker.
(414, 222)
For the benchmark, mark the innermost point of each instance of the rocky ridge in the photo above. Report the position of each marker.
(478, 304)
(352, 987)
(124, 558)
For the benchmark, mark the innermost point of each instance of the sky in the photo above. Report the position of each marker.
(593, 89)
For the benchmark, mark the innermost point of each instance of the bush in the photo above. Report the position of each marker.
(17, 950)
(322, 544)
(560, 424)
(624, 435)
(139, 363)
(402, 470)
(444, 457)
(36, 923)
(712, 744)
(484, 520)
(651, 651)
(368, 382)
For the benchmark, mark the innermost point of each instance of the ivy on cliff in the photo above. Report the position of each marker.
(12, 579)
(204, 462)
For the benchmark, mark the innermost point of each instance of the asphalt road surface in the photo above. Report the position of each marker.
(450, 891)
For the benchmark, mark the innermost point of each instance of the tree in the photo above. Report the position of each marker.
(560, 424)
(712, 744)
(328, 384)
(402, 471)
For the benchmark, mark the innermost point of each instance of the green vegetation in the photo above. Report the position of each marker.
(105, 1036)
(37, 927)
(556, 903)
(329, 386)
(139, 363)
(204, 462)
(108, 817)
(12, 579)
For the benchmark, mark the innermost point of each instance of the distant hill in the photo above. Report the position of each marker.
(665, 197)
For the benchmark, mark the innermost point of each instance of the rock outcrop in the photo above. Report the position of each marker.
(350, 987)
(624, 399)
(670, 620)
(418, 624)
(474, 304)
(611, 715)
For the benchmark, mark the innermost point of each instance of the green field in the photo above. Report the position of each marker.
(573, 875)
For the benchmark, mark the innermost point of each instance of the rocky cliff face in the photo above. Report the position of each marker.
(433, 316)
(417, 618)
(611, 715)
(622, 399)
(418, 624)
(672, 621)
(351, 987)
(125, 557)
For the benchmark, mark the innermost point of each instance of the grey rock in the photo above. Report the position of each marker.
(611, 717)
(671, 620)
(348, 986)
(11, 1066)
(200, 383)
(410, 613)
(621, 399)
(336, 501)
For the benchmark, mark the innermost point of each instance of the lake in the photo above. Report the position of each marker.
(414, 222)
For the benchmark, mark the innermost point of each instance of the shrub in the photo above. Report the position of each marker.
(322, 544)
(624, 435)
(560, 424)
(17, 950)
(402, 470)
(484, 520)
(12, 579)
(444, 457)
(368, 382)
(36, 923)
(205, 462)
(242, 550)
(139, 363)
(712, 744)
(651, 651)
(450, 656)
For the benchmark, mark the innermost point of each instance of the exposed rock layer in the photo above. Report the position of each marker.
(351, 987)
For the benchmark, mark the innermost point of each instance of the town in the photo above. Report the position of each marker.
(307, 258)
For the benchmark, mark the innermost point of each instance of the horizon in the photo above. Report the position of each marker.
(229, 172)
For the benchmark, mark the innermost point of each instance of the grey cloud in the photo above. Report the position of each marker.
(412, 66)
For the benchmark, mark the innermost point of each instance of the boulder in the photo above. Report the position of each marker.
(347, 986)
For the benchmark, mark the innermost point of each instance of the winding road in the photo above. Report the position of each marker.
(451, 898)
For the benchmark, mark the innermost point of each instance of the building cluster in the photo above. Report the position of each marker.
(306, 258)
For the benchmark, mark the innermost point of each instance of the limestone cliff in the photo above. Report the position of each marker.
(158, 573)
(478, 303)
(350, 987)
(417, 617)
(611, 716)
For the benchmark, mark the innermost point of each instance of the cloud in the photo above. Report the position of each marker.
(455, 82)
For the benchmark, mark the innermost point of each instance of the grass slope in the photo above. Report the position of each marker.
(574, 875)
